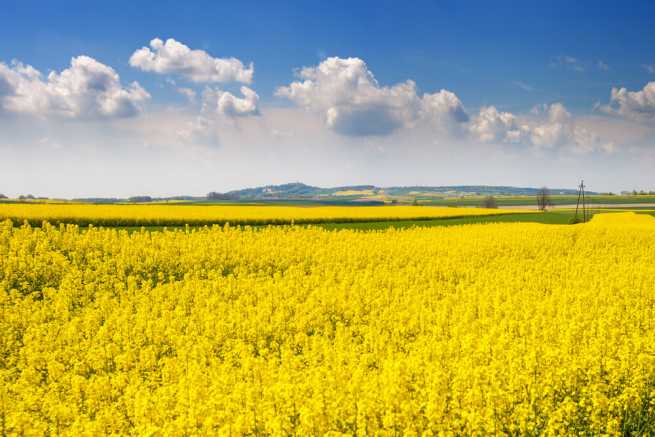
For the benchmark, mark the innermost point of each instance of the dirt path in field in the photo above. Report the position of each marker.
(589, 205)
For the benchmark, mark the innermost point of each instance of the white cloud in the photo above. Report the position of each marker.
(633, 105)
(494, 126)
(200, 130)
(561, 129)
(182, 145)
(649, 68)
(219, 110)
(352, 103)
(557, 113)
(555, 130)
(443, 109)
(173, 57)
(227, 104)
(87, 89)
(553, 127)
(585, 141)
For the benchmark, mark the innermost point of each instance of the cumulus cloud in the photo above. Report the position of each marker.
(553, 127)
(443, 109)
(173, 57)
(351, 101)
(563, 130)
(87, 89)
(219, 110)
(634, 105)
(558, 130)
(227, 104)
(492, 125)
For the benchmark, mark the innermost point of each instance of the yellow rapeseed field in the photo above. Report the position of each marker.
(179, 215)
(515, 328)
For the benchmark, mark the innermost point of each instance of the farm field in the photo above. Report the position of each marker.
(550, 217)
(180, 215)
(509, 201)
(555, 216)
(520, 328)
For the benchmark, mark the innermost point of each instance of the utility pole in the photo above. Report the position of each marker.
(581, 196)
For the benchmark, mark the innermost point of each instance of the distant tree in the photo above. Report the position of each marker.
(489, 202)
(139, 199)
(543, 199)
(394, 201)
(415, 202)
(2, 196)
(219, 196)
(26, 197)
(634, 192)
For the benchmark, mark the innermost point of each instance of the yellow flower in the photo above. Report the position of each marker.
(467, 330)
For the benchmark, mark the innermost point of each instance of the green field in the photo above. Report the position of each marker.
(531, 200)
(556, 217)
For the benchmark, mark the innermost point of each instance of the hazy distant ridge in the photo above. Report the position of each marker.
(299, 189)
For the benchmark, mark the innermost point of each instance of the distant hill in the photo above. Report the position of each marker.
(300, 190)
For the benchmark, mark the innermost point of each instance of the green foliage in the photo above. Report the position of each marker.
(489, 202)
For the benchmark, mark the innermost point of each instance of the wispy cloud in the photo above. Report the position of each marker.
(649, 68)
(524, 86)
(567, 62)
(189, 93)
(578, 65)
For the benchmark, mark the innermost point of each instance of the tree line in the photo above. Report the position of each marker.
(542, 198)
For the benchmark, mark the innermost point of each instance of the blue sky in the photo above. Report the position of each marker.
(514, 56)
(479, 49)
